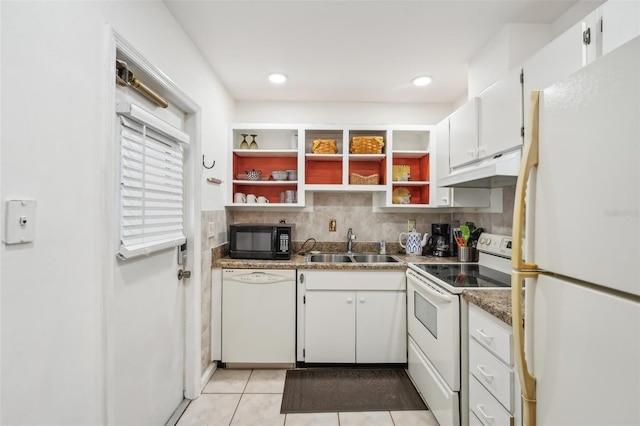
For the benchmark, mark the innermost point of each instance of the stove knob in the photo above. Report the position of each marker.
(488, 240)
(481, 241)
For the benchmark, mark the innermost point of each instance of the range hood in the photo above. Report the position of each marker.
(501, 170)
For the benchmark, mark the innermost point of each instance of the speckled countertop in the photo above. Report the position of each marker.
(300, 262)
(220, 258)
(496, 302)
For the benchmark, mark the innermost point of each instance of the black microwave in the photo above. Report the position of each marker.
(260, 241)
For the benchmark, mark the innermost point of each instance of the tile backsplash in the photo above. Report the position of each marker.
(353, 210)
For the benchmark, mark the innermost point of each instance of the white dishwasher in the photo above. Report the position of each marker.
(258, 316)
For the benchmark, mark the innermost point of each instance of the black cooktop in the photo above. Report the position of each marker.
(466, 275)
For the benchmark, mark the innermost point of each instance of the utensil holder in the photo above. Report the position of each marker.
(467, 254)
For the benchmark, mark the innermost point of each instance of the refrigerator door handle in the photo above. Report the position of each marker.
(529, 161)
(527, 380)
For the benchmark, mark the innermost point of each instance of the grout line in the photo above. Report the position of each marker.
(235, 410)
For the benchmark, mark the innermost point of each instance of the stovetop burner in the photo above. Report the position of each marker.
(465, 275)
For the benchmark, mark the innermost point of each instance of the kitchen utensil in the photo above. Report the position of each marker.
(467, 254)
(465, 232)
(244, 144)
(239, 197)
(280, 174)
(413, 242)
(253, 144)
(461, 242)
(290, 196)
(254, 174)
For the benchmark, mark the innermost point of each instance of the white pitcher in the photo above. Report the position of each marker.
(413, 242)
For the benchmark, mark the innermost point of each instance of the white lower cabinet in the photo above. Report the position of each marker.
(494, 391)
(353, 316)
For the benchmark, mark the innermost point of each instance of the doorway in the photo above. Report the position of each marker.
(151, 331)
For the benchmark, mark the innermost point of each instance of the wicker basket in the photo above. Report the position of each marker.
(324, 146)
(356, 179)
(367, 145)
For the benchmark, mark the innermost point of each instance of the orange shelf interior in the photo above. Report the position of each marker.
(270, 191)
(265, 164)
(419, 167)
(368, 168)
(323, 172)
(419, 194)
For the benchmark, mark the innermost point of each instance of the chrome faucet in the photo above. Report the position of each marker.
(350, 237)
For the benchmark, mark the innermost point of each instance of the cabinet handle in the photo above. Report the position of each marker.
(301, 278)
(349, 299)
(362, 300)
(481, 409)
(484, 336)
(484, 373)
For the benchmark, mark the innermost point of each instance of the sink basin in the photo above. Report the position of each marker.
(375, 258)
(329, 258)
(351, 258)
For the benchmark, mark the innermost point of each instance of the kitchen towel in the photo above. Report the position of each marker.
(320, 390)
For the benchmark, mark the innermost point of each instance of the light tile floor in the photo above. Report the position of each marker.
(253, 397)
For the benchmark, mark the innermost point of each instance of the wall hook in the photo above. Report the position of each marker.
(208, 167)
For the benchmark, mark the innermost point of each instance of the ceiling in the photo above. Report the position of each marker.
(350, 51)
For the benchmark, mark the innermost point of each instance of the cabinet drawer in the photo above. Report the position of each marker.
(473, 420)
(493, 374)
(486, 407)
(491, 334)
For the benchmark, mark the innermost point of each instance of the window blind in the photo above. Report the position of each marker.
(151, 183)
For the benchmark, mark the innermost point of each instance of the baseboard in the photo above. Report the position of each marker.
(206, 376)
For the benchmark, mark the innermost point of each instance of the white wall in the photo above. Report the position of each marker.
(340, 113)
(505, 51)
(53, 144)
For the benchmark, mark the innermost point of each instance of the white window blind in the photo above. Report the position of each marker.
(151, 183)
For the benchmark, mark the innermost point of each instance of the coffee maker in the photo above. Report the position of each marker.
(440, 240)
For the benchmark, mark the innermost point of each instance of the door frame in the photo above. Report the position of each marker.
(114, 42)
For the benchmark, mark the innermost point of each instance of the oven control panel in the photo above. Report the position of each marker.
(495, 244)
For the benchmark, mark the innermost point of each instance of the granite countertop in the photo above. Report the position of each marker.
(300, 262)
(496, 302)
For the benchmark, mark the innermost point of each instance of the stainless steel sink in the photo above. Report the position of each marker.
(375, 258)
(351, 258)
(329, 258)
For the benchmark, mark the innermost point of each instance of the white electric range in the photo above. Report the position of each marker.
(437, 324)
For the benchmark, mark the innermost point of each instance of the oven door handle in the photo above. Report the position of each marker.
(425, 287)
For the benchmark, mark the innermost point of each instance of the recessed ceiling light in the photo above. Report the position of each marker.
(422, 80)
(277, 78)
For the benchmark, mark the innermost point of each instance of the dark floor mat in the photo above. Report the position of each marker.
(321, 390)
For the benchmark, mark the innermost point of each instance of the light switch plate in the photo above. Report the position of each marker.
(20, 222)
(211, 231)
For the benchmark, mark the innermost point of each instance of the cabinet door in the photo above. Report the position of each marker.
(621, 23)
(500, 116)
(330, 331)
(440, 196)
(463, 134)
(555, 61)
(381, 327)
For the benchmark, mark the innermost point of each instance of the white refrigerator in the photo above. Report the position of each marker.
(577, 248)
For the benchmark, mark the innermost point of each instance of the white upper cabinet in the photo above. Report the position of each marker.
(440, 150)
(560, 58)
(500, 116)
(463, 134)
(620, 23)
